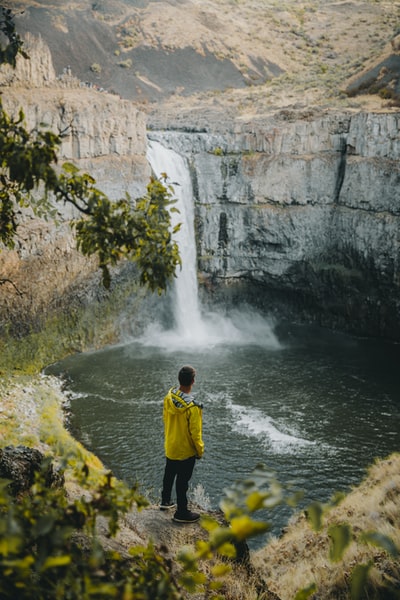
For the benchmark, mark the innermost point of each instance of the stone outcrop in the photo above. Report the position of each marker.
(300, 214)
(37, 71)
(99, 132)
(20, 465)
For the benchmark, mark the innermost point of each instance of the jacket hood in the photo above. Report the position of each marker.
(178, 402)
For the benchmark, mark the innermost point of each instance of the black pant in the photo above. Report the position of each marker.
(182, 470)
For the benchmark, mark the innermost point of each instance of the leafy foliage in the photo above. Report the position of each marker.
(49, 547)
(241, 507)
(139, 230)
(8, 53)
(341, 535)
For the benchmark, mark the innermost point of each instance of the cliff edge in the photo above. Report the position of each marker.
(32, 415)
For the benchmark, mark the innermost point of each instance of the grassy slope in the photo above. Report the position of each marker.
(32, 414)
(300, 557)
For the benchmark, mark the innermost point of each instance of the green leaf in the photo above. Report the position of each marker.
(203, 550)
(244, 527)
(382, 541)
(228, 550)
(306, 592)
(220, 536)
(255, 500)
(340, 538)
(358, 580)
(9, 545)
(220, 570)
(56, 561)
(187, 558)
(209, 523)
(314, 514)
(192, 581)
(70, 168)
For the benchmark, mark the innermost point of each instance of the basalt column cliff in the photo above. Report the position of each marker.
(300, 214)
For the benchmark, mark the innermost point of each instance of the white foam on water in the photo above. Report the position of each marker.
(200, 497)
(252, 422)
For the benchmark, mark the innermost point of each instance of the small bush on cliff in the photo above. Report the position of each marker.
(138, 230)
(50, 547)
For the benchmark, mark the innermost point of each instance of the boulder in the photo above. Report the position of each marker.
(20, 464)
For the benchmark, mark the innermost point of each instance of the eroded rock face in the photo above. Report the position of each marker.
(101, 135)
(296, 213)
(20, 464)
(302, 216)
(37, 71)
(99, 132)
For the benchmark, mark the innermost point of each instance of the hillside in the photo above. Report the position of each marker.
(245, 57)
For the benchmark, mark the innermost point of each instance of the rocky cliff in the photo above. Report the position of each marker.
(102, 135)
(300, 214)
(297, 212)
(37, 71)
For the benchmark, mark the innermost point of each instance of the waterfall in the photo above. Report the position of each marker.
(194, 328)
(188, 320)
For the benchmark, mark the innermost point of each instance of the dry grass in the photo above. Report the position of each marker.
(32, 414)
(301, 556)
(316, 45)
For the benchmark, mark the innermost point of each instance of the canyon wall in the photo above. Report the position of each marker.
(102, 135)
(300, 215)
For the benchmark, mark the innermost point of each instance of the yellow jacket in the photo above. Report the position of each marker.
(182, 426)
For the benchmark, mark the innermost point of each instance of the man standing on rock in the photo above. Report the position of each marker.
(183, 444)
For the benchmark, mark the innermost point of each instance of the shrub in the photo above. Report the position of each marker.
(50, 549)
(95, 68)
(125, 64)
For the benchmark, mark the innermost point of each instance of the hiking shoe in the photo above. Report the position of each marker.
(186, 517)
(167, 505)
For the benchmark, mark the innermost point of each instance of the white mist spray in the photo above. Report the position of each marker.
(192, 329)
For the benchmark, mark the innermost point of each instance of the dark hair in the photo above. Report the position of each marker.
(186, 375)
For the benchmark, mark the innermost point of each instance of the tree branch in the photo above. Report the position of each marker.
(4, 280)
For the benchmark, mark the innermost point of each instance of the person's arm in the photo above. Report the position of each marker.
(195, 429)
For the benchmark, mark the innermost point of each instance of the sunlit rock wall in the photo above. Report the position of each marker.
(301, 216)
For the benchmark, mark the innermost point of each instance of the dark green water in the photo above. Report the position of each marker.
(315, 407)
